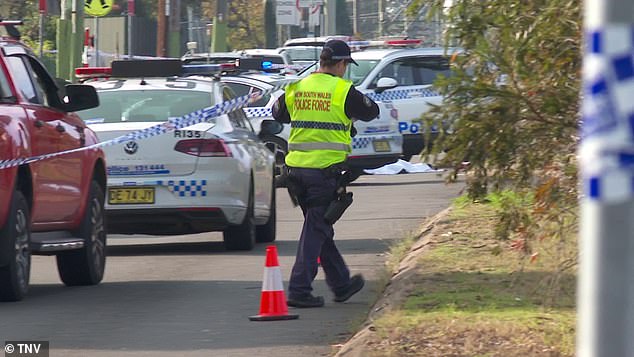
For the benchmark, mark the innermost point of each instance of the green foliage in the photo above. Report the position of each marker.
(513, 211)
(246, 24)
(28, 12)
(512, 106)
(511, 112)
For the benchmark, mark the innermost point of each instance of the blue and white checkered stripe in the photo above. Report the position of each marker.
(186, 188)
(180, 188)
(400, 94)
(258, 112)
(199, 116)
(607, 149)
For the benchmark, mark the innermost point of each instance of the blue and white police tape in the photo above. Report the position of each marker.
(607, 147)
(387, 96)
(172, 124)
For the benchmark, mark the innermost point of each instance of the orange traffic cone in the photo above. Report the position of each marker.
(273, 301)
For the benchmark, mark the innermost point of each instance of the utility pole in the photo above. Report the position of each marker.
(606, 273)
(161, 30)
(70, 33)
(380, 9)
(131, 13)
(174, 28)
(219, 40)
(355, 18)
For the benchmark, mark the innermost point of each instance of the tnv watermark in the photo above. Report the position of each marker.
(26, 349)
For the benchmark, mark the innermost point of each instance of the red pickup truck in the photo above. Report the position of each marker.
(53, 206)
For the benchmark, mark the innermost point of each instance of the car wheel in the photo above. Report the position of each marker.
(242, 236)
(14, 276)
(86, 266)
(279, 148)
(266, 232)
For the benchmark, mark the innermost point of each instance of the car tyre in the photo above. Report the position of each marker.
(86, 266)
(14, 277)
(266, 233)
(242, 236)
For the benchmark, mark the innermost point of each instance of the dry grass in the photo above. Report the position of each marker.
(468, 295)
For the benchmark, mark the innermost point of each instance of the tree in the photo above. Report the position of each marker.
(245, 22)
(512, 106)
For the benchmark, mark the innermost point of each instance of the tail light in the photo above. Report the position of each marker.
(203, 147)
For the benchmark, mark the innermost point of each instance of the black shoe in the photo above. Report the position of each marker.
(356, 283)
(305, 301)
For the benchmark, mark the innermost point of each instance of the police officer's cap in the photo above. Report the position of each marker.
(337, 50)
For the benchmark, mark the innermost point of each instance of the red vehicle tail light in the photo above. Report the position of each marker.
(203, 147)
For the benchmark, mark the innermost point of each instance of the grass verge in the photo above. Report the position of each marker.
(470, 296)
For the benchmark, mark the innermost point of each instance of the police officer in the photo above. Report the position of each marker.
(319, 109)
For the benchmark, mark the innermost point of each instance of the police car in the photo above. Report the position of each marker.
(216, 175)
(401, 78)
(377, 143)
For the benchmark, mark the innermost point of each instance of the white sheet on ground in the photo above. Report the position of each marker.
(399, 167)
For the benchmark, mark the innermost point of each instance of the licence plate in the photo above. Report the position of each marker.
(381, 145)
(130, 195)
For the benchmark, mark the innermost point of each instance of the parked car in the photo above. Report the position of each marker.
(53, 206)
(212, 176)
(302, 55)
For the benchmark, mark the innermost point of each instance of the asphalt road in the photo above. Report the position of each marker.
(187, 296)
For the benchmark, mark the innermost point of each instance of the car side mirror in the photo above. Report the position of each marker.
(270, 127)
(385, 83)
(61, 84)
(80, 97)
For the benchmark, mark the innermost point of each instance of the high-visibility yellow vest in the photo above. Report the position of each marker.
(320, 129)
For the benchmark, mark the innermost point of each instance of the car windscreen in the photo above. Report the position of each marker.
(358, 73)
(303, 54)
(145, 105)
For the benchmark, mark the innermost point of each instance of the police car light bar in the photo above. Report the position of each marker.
(413, 42)
(93, 72)
(167, 67)
(207, 69)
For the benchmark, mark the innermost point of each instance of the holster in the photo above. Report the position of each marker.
(294, 188)
(343, 199)
(337, 207)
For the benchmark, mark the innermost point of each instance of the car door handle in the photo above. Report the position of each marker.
(38, 123)
(60, 128)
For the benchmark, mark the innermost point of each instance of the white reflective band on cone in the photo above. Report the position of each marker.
(272, 279)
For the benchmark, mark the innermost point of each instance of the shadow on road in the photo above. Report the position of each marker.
(284, 248)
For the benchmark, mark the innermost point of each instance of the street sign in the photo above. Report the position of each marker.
(286, 13)
(98, 8)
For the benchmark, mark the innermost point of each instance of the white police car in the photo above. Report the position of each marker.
(216, 175)
(377, 143)
(403, 79)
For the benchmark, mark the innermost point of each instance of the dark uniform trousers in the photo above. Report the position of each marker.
(317, 237)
